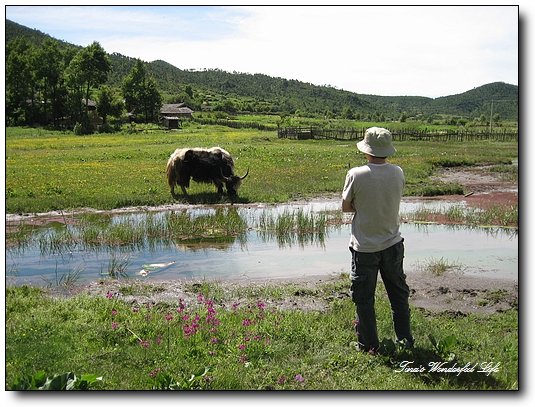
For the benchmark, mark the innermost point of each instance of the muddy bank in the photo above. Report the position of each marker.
(451, 293)
(483, 188)
(460, 295)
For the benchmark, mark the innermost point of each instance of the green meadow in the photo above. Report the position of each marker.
(53, 170)
(239, 339)
(217, 338)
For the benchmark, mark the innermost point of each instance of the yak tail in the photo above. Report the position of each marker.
(172, 172)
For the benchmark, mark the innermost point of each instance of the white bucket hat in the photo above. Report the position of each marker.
(377, 142)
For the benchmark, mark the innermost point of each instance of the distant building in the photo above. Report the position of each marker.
(170, 114)
(94, 119)
(91, 104)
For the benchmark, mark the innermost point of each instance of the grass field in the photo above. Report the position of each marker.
(51, 170)
(237, 340)
(207, 344)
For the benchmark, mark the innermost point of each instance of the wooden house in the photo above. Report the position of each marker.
(91, 104)
(170, 114)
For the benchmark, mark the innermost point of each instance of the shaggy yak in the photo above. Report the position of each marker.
(213, 165)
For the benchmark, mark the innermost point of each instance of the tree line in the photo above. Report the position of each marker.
(52, 85)
(42, 88)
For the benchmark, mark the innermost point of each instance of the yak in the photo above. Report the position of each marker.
(213, 165)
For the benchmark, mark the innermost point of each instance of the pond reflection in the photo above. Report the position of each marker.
(264, 241)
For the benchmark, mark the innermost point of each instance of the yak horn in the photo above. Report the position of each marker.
(247, 173)
(226, 179)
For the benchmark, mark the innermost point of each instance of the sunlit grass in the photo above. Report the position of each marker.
(215, 338)
(49, 170)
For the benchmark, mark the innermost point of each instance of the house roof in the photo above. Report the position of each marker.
(175, 108)
(90, 103)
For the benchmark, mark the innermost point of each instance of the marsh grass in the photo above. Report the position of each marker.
(245, 345)
(226, 225)
(183, 226)
(147, 230)
(500, 215)
(117, 267)
(97, 232)
(55, 240)
(440, 266)
(20, 236)
(294, 227)
(68, 279)
(506, 172)
(504, 216)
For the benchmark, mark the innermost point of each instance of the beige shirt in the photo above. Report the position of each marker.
(375, 193)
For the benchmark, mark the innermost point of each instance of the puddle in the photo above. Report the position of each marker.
(257, 253)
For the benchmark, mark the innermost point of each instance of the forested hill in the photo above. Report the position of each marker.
(262, 93)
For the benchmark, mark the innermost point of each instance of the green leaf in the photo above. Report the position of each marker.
(58, 382)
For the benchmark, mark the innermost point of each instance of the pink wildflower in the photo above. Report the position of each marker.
(168, 317)
(209, 304)
(212, 320)
(113, 312)
(246, 322)
(144, 343)
(181, 306)
(155, 372)
(299, 378)
(114, 325)
(191, 329)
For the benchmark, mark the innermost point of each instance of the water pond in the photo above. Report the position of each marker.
(256, 242)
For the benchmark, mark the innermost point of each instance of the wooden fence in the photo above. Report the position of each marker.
(307, 133)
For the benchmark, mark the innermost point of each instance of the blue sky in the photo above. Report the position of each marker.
(384, 50)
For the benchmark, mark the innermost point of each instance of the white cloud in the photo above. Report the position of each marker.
(426, 51)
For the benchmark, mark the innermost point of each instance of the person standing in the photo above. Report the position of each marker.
(373, 193)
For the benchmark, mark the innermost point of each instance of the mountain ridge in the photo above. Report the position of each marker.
(265, 94)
